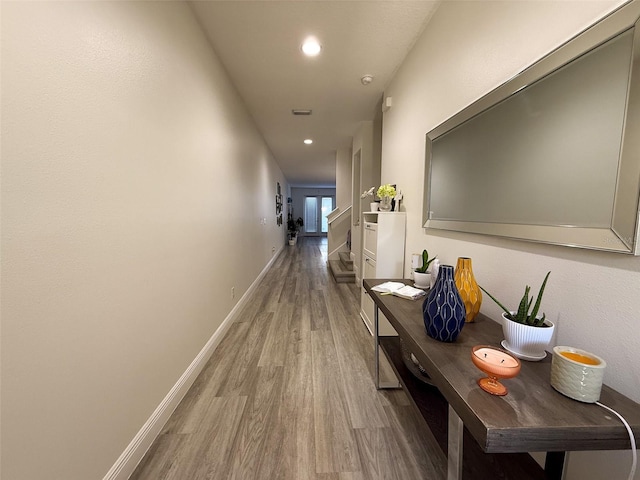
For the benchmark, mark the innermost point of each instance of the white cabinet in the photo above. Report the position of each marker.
(382, 257)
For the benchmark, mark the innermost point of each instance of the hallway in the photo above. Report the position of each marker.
(288, 394)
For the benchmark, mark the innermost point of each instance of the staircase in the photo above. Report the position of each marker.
(342, 270)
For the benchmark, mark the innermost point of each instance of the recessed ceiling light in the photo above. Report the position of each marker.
(308, 141)
(311, 47)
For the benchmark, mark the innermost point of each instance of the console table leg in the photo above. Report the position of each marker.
(454, 450)
(376, 346)
(376, 341)
(554, 465)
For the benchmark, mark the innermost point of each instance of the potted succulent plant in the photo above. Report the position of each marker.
(421, 275)
(526, 334)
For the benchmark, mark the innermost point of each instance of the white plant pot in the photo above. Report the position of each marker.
(525, 341)
(422, 280)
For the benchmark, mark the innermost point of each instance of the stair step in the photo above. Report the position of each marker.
(345, 259)
(340, 273)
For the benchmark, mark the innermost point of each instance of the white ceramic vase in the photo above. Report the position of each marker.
(524, 341)
(576, 373)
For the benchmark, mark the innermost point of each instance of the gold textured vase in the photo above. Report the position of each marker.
(468, 288)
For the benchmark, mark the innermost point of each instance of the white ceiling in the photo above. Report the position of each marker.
(259, 44)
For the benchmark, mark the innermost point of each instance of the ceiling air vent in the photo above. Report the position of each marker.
(301, 112)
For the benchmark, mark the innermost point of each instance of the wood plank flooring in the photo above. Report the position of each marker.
(289, 393)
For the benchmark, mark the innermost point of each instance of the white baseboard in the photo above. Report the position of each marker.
(135, 451)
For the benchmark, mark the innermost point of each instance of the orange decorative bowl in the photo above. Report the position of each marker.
(496, 364)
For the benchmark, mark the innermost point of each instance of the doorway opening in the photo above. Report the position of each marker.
(316, 209)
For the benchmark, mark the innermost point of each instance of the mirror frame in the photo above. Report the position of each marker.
(623, 234)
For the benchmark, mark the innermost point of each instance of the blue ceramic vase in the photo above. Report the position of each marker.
(443, 309)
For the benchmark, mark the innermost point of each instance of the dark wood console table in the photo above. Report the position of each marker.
(533, 417)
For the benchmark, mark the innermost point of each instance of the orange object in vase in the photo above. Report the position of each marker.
(468, 288)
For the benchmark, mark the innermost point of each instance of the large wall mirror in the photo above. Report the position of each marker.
(553, 155)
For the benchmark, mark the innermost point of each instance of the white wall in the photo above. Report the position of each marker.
(369, 176)
(339, 229)
(469, 48)
(133, 188)
(343, 178)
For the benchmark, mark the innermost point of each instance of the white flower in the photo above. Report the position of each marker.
(367, 193)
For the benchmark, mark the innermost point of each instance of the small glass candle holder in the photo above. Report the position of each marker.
(496, 364)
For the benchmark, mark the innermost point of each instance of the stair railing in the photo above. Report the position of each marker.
(333, 216)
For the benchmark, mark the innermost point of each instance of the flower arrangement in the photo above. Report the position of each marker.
(387, 191)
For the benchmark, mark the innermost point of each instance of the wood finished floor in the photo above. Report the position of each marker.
(289, 393)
